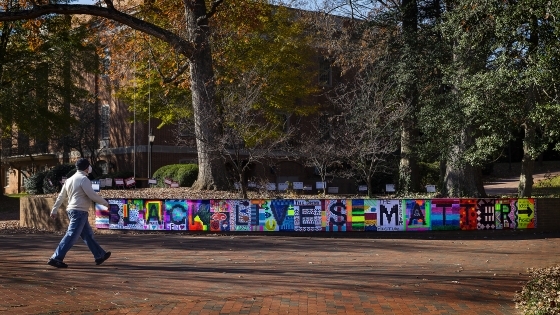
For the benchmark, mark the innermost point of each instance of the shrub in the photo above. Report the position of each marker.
(34, 183)
(541, 294)
(164, 172)
(184, 174)
(51, 182)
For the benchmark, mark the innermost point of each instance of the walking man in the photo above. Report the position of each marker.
(80, 194)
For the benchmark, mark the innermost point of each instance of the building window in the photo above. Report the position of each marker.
(325, 72)
(105, 111)
(106, 62)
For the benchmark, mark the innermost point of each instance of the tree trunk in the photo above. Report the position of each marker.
(243, 184)
(479, 182)
(211, 169)
(527, 163)
(369, 187)
(408, 167)
(460, 178)
(442, 172)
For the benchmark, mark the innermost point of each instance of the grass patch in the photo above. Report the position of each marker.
(549, 186)
(17, 195)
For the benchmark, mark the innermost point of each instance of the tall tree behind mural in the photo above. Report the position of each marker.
(371, 31)
(43, 63)
(502, 81)
(190, 37)
(369, 122)
(264, 65)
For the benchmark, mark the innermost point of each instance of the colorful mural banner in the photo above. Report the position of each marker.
(446, 214)
(417, 215)
(316, 215)
(390, 216)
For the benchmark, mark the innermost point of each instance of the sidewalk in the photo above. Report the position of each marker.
(509, 186)
(445, 273)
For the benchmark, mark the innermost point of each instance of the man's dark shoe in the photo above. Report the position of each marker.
(57, 263)
(99, 261)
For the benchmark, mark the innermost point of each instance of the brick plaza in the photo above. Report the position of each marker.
(382, 273)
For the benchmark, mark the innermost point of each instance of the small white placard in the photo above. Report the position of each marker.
(431, 188)
(282, 186)
(95, 185)
(108, 182)
(390, 187)
(130, 181)
(174, 185)
(101, 183)
(362, 188)
(252, 185)
(152, 181)
(237, 185)
(271, 186)
(332, 190)
(298, 185)
(307, 187)
(168, 181)
(320, 185)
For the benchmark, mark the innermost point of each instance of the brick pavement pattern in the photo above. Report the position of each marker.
(448, 273)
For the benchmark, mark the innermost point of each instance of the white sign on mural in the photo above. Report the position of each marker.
(95, 185)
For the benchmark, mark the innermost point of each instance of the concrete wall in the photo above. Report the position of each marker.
(548, 214)
(34, 212)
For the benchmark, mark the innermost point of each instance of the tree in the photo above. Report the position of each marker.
(371, 30)
(530, 53)
(319, 148)
(370, 121)
(43, 63)
(409, 179)
(82, 135)
(248, 137)
(194, 45)
(503, 79)
(250, 39)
